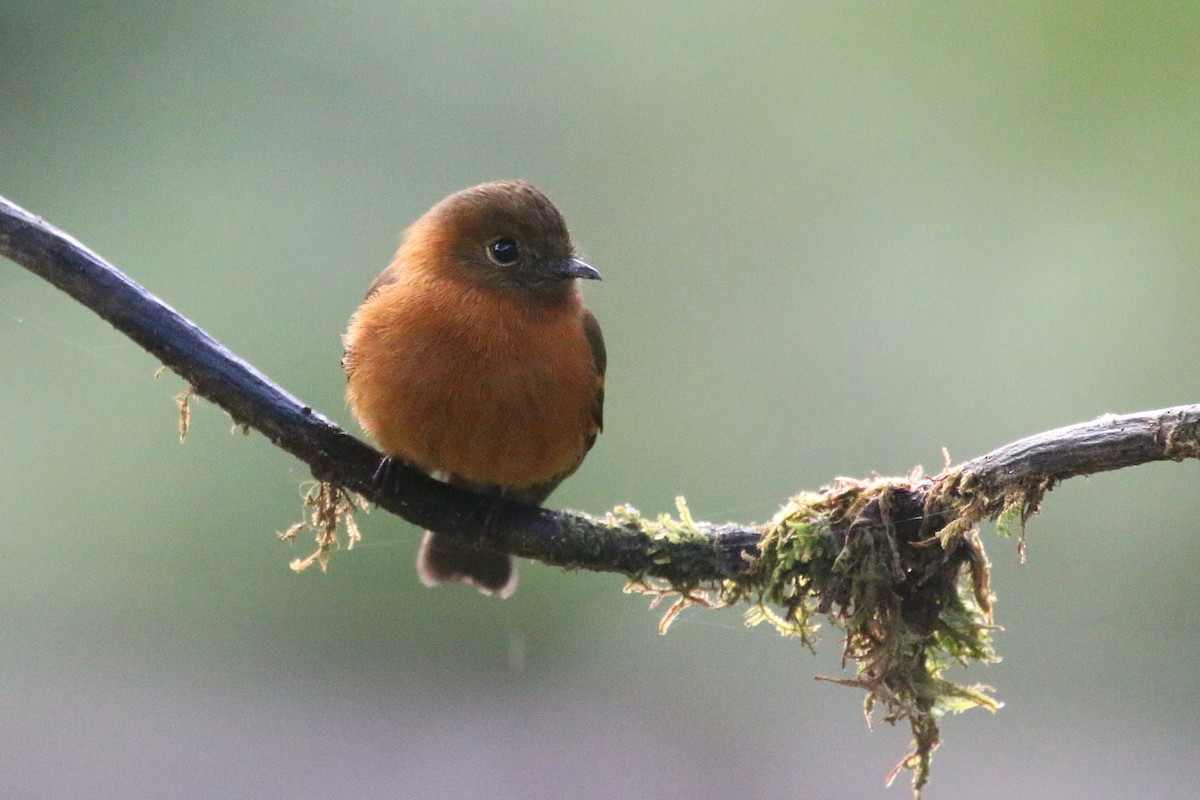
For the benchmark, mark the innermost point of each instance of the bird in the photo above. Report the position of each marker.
(473, 359)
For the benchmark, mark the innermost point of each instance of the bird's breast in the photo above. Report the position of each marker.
(493, 389)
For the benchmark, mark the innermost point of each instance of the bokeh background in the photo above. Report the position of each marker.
(835, 238)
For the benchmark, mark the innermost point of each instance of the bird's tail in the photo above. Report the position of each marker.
(440, 561)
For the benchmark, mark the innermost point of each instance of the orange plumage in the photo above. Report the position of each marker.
(472, 357)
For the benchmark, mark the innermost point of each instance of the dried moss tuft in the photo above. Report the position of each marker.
(327, 509)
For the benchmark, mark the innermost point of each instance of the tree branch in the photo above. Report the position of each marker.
(557, 538)
(858, 552)
(1107, 443)
(554, 537)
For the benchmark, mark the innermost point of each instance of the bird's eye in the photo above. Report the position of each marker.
(504, 252)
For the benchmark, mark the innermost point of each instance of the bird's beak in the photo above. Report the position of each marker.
(574, 268)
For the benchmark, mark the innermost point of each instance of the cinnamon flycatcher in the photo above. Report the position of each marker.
(473, 359)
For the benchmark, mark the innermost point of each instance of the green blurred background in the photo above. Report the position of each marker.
(835, 238)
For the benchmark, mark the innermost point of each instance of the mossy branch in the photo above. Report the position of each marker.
(895, 562)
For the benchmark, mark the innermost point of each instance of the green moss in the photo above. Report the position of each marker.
(907, 585)
(678, 546)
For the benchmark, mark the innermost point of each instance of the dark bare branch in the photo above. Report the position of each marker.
(558, 538)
